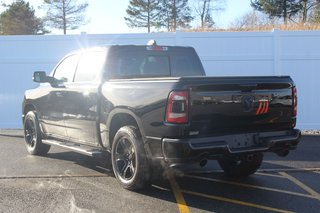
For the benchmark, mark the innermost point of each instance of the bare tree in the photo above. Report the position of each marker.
(310, 10)
(253, 20)
(65, 14)
(316, 13)
(204, 10)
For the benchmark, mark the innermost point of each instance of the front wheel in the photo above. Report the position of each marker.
(241, 165)
(129, 160)
(33, 136)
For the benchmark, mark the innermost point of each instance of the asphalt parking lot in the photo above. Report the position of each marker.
(65, 181)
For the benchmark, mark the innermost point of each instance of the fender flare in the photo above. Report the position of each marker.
(117, 111)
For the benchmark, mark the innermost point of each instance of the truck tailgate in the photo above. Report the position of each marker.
(237, 104)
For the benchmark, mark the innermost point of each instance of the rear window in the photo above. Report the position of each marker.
(129, 62)
(186, 65)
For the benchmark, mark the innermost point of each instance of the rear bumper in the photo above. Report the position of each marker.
(177, 151)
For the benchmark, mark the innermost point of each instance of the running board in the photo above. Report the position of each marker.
(82, 149)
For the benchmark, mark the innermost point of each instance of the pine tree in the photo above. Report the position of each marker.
(278, 8)
(65, 14)
(176, 14)
(19, 19)
(143, 14)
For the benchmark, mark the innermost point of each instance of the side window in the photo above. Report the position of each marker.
(90, 66)
(65, 70)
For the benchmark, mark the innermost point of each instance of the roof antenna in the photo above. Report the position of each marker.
(152, 43)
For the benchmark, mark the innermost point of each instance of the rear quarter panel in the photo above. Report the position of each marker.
(144, 99)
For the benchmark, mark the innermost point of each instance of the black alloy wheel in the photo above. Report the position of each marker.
(33, 135)
(129, 161)
(30, 133)
(125, 159)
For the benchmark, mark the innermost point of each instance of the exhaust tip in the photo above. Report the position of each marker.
(203, 162)
(283, 153)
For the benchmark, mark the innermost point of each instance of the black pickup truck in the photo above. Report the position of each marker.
(153, 105)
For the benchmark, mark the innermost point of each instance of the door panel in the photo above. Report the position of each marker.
(82, 97)
(53, 115)
(80, 112)
(53, 104)
(49, 110)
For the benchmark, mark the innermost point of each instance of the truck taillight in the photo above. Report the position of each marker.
(177, 107)
(294, 101)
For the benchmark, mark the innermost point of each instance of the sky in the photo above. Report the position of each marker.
(107, 16)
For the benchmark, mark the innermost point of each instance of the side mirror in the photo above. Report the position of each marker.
(40, 77)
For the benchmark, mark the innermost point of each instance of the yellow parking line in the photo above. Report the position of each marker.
(290, 170)
(161, 188)
(302, 185)
(252, 186)
(267, 174)
(213, 197)
(183, 208)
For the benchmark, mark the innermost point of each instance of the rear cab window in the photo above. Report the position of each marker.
(144, 61)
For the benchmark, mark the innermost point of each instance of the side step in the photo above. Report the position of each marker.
(82, 149)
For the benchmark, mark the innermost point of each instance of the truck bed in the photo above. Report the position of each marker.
(217, 105)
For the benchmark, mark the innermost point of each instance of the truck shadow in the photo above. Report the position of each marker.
(213, 191)
(210, 190)
(100, 165)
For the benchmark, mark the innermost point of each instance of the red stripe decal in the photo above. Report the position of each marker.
(267, 107)
(263, 107)
(258, 110)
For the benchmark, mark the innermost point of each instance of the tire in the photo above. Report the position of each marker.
(242, 165)
(33, 135)
(129, 161)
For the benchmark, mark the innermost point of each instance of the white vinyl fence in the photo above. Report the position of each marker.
(294, 53)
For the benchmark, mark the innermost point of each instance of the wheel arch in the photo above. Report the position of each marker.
(119, 118)
(27, 108)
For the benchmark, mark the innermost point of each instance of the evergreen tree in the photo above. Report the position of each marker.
(278, 8)
(65, 14)
(143, 13)
(19, 19)
(176, 14)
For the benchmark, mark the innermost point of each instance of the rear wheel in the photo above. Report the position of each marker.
(241, 165)
(33, 136)
(129, 160)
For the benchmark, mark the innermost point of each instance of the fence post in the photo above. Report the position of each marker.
(84, 39)
(276, 52)
(179, 38)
